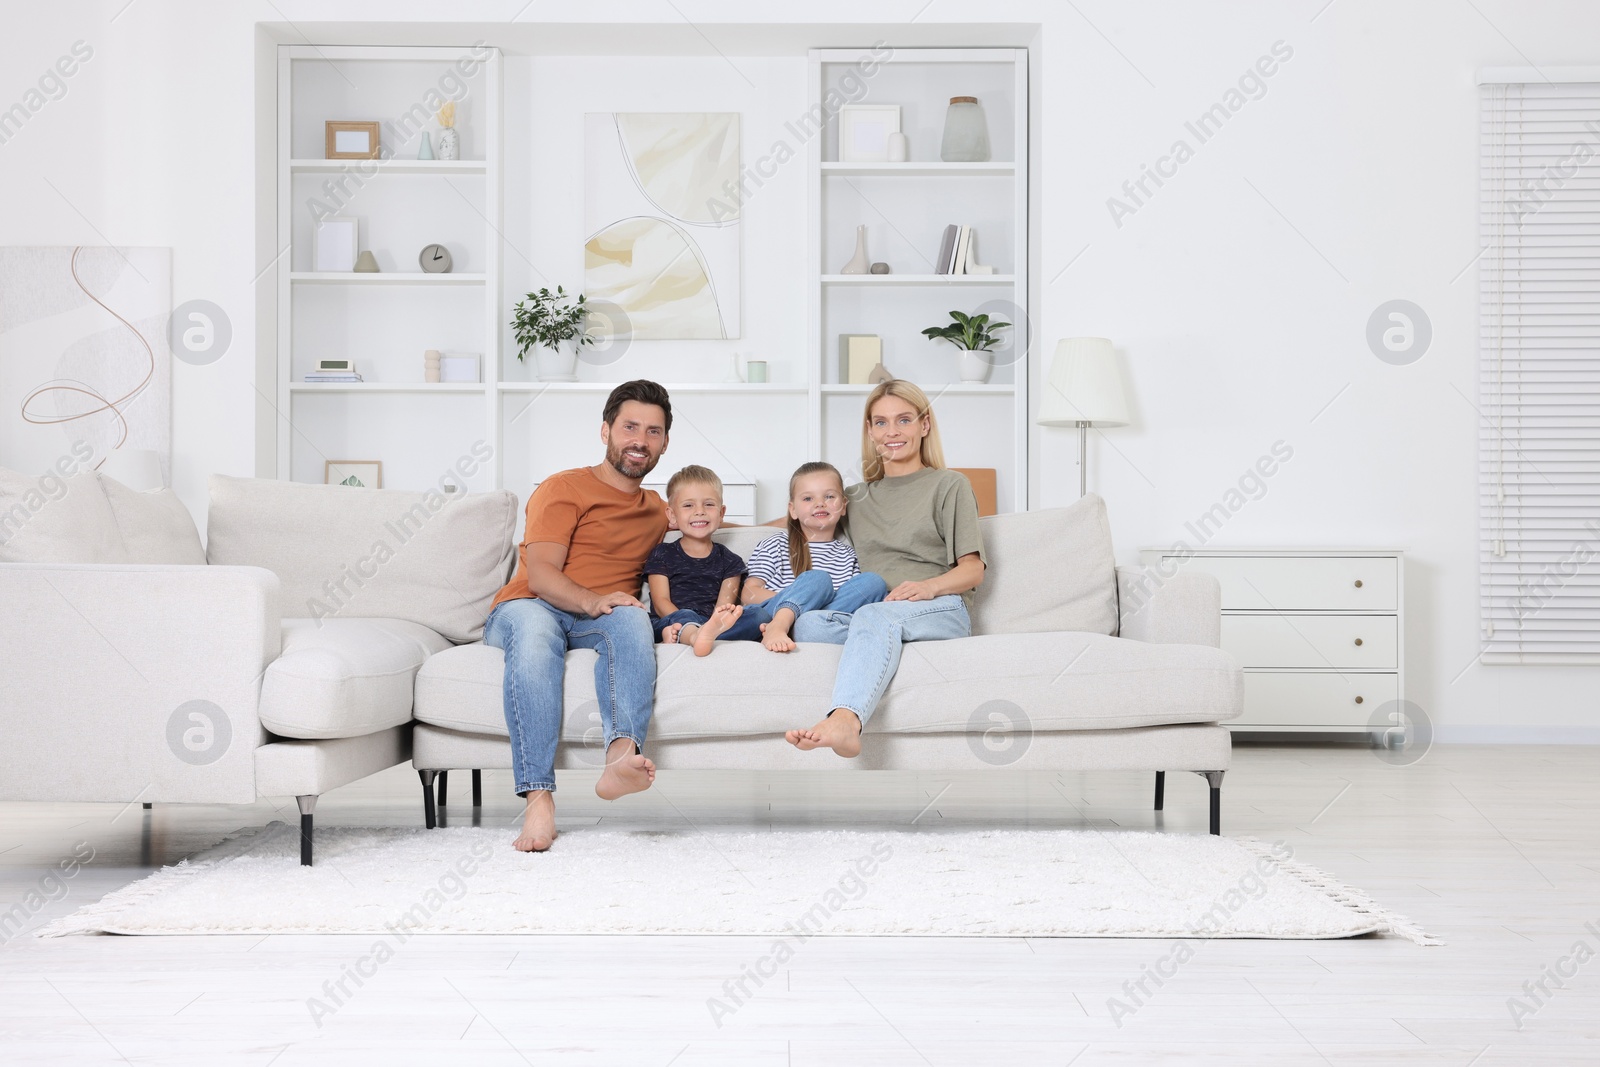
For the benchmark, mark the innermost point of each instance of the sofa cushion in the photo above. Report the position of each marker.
(1049, 570)
(155, 526)
(369, 553)
(344, 677)
(51, 519)
(1052, 682)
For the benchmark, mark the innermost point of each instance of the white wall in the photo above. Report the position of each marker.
(1238, 294)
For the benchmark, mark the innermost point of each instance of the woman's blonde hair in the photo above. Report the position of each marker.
(799, 547)
(932, 450)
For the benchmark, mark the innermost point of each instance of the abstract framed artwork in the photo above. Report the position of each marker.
(84, 354)
(663, 214)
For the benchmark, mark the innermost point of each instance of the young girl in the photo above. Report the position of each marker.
(807, 569)
(917, 524)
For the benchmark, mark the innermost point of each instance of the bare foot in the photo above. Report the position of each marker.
(705, 638)
(840, 731)
(669, 636)
(626, 772)
(776, 639)
(538, 823)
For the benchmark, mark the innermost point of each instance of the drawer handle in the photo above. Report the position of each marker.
(1358, 583)
(1361, 700)
(1358, 642)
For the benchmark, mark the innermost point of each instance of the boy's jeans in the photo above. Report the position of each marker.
(809, 592)
(872, 639)
(535, 637)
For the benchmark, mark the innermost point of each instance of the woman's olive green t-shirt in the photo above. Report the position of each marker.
(914, 527)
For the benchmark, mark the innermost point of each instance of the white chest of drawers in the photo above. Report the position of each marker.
(1319, 632)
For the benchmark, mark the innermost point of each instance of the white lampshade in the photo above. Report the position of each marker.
(1084, 385)
(137, 468)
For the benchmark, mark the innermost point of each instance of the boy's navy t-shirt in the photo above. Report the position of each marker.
(693, 583)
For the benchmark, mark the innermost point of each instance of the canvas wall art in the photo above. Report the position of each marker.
(662, 211)
(83, 353)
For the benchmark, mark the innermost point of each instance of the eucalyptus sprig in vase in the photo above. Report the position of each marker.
(554, 323)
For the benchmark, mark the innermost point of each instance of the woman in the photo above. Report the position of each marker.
(916, 524)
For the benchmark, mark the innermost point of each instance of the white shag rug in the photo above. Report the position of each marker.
(1001, 883)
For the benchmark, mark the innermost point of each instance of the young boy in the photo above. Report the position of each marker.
(693, 576)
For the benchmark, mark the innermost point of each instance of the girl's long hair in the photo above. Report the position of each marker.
(932, 450)
(799, 548)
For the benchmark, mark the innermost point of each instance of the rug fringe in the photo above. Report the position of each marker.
(1346, 895)
(92, 918)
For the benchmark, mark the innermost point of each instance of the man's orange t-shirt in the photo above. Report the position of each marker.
(607, 532)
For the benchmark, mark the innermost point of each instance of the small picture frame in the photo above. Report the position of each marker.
(458, 367)
(350, 140)
(334, 243)
(357, 473)
(864, 131)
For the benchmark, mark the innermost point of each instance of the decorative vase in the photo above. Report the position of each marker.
(558, 364)
(974, 367)
(859, 263)
(425, 149)
(899, 148)
(449, 143)
(966, 134)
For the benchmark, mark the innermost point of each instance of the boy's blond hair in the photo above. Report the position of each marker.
(694, 474)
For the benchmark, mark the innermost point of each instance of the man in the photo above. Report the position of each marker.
(578, 573)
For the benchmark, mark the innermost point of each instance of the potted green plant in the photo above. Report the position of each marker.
(554, 323)
(972, 334)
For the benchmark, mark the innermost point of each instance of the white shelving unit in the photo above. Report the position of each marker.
(385, 321)
(906, 207)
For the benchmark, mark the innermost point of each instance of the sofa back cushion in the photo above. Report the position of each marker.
(1048, 570)
(55, 519)
(344, 552)
(155, 526)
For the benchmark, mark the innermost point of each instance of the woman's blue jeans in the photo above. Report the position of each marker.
(872, 638)
(535, 637)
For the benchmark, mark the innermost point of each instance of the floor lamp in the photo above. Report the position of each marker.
(1084, 389)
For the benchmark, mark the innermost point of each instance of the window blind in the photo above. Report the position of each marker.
(1539, 373)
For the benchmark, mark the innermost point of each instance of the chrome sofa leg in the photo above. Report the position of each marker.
(430, 816)
(308, 804)
(1161, 789)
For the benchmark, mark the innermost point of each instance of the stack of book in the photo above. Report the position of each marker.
(333, 376)
(956, 253)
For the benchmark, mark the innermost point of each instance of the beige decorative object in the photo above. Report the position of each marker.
(430, 365)
(859, 353)
(449, 140)
(366, 263)
(879, 374)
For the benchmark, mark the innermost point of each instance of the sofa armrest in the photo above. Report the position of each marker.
(127, 682)
(1184, 609)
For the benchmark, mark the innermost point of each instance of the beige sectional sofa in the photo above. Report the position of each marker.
(330, 633)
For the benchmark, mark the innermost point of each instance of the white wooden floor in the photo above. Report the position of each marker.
(1495, 850)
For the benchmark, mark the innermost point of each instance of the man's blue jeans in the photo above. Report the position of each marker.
(811, 591)
(535, 637)
(873, 637)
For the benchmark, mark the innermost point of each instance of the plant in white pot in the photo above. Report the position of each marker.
(974, 335)
(554, 323)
